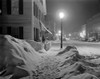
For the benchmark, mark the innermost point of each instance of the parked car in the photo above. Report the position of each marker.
(91, 39)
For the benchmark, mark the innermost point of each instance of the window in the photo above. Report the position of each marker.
(14, 7)
(20, 6)
(39, 14)
(0, 7)
(9, 30)
(36, 34)
(1, 30)
(42, 17)
(15, 32)
(21, 32)
(36, 10)
(8, 3)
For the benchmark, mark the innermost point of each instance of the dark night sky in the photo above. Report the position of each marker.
(77, 11)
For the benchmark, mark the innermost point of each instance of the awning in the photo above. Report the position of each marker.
(45, 28)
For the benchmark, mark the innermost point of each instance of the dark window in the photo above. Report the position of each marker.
(42, 17)
(36, 11)
(21, 32)
(1, 30)
(34, 8)
(0, 7)
(14, 32)
(36, 34)
(39, 14)
(9, 30)
(20, 6)
(8, 6)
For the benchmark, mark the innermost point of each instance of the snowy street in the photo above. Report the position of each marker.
(84, 48)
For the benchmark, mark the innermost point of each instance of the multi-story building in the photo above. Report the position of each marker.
(93, 27)
(23, 19)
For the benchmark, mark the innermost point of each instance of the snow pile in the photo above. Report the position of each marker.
(68, 64)
(17, 58)
(36, 45)
(47, 45)
(39, 46)
(75, 66)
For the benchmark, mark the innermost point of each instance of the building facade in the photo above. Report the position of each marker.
(23, 19)
(93, 27)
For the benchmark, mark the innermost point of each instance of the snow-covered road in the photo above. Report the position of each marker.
(84, 48)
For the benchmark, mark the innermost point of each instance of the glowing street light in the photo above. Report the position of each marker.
(59, 31)
(69, 35)
(83, 34)
(61, 15)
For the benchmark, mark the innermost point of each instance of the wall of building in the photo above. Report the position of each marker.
(93, 27)
(16, 19)
(39, 18)
(27, 23)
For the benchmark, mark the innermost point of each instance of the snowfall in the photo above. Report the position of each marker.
(26, 59)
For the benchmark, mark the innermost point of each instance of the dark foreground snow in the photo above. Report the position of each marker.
(19, 60)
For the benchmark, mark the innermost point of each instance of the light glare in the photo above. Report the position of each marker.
(61, 15)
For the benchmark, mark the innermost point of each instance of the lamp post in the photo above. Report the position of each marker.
(61, 15)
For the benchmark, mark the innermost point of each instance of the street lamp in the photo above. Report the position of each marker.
(0, 11)
(61, 15)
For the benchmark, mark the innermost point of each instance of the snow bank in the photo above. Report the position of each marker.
(17, 57)
(19, 60)
(68, 64)
(47, 45)
(36, 45)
